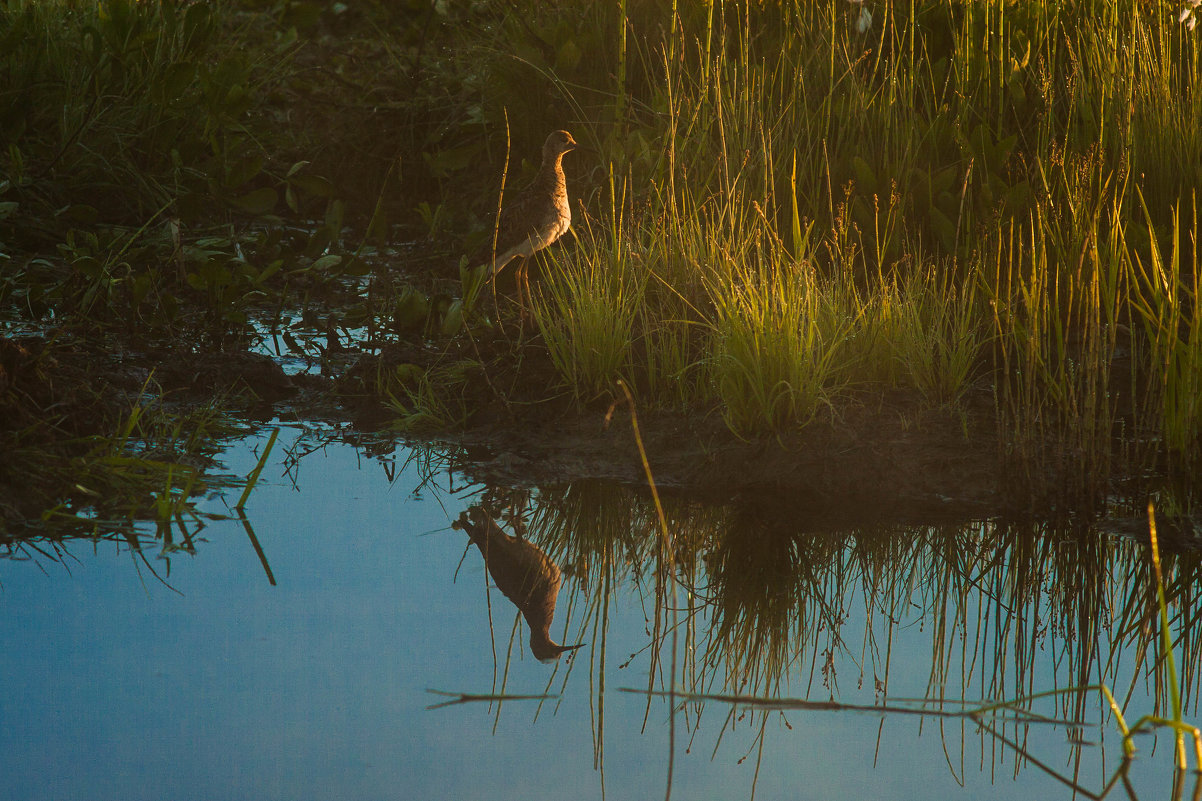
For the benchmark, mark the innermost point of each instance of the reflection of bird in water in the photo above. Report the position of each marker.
(538, 216)
(525, 574)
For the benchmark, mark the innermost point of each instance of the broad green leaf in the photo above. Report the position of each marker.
(243, 171)
(326, 262)
(453, 321)
(313, 184)
(334, 214)
(260, 201)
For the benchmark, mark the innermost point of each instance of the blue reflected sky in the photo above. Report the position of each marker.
(118, 687)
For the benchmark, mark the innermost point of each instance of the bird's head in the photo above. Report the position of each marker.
(546, 650)
(558, 143)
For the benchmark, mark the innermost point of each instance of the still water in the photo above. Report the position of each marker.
(159, 673)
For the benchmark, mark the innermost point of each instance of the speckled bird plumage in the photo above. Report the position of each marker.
(524, 573)
(539, 214)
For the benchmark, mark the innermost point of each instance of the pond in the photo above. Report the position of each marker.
(350, 643)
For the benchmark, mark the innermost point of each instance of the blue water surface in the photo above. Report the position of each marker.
(207, 682)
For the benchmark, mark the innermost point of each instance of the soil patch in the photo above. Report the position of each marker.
(884, 456)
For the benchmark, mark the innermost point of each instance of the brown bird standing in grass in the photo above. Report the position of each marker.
(521, 571)
(536, 217)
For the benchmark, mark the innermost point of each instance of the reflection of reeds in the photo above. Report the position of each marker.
(148, 470)
(1018, 615)
(137, 489)
(600, 534)
(757, 585)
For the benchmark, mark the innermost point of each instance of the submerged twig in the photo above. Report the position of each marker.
(761, 702)
(470, 698)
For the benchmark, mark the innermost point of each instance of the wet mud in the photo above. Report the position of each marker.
(885, 457)
(881, 457)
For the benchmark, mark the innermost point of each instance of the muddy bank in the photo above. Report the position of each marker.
(869, 466)
(86, 424)
(881, 456)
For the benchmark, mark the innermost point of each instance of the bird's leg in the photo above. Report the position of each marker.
(526, 288)
(520, 278)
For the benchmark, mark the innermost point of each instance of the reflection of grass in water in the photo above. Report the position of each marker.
(598, 532)
(1007, 608)
(757, 585)
(1180, 728)
(149, 470)
(1028, 624)
(777, 595)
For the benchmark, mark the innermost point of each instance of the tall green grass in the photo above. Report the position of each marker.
(121, 108)
(587, 312)
(1166, 301)
(138, 141)
(941, 333)
(967, 194)
(776, 338)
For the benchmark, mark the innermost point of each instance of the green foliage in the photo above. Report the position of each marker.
(130, 135)
(431, 399)
(586, 313)
(954, 169)
(123, 107)
(776, 339)
(776, 207)
(1166, 300)
(941, 333)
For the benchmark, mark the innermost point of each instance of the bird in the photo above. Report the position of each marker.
(523, 573)
(535, 217)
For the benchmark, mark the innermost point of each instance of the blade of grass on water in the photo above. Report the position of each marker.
(253, 478)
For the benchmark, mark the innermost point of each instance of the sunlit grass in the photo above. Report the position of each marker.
(1166, 301)
(779, 207)
(426, 400)
(776, 338)
(941, 334)
(586, 312)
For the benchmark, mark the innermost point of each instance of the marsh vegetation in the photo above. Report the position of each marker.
(785, 215)
(928, 269)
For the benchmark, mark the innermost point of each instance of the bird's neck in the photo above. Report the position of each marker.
(550, 174)
(543, 647)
